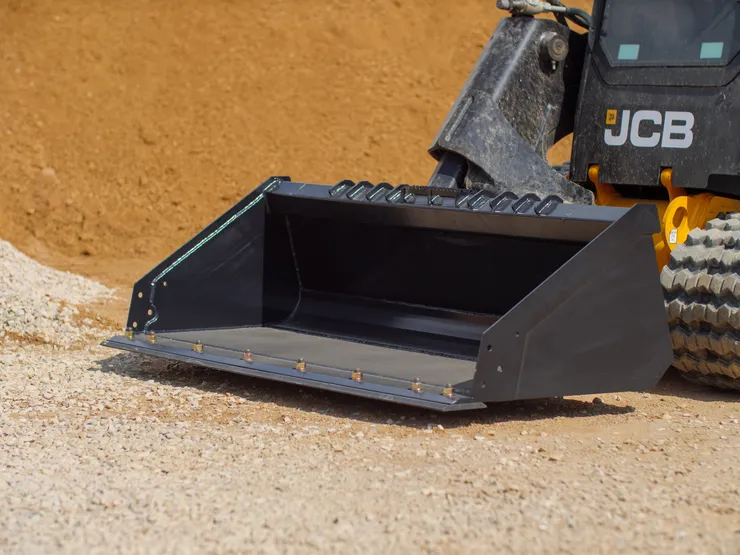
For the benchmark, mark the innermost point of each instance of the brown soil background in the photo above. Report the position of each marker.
(128, 126)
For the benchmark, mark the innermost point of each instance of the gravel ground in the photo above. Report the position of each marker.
(41, 305)
(103, 452)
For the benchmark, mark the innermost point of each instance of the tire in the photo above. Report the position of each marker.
(701, 286)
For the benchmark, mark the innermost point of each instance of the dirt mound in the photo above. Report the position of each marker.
(127, 127)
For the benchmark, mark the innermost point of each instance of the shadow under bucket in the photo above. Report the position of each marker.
(434, 298)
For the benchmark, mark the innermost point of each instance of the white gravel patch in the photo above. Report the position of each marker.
(41, 304)
(104, 453)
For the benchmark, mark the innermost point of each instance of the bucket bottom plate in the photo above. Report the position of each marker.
(320, 362)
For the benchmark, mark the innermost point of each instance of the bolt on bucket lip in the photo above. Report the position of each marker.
(415, 392)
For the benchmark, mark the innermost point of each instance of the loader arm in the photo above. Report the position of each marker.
(520, 98)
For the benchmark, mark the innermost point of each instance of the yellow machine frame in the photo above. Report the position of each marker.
(678, 215)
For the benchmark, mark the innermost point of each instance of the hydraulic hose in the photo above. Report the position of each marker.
(556, 7)
(579, 17)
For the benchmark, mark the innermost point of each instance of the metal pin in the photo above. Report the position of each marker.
(140, 295)
(149, 312)
(164, 284)
(135, 325)
(357, 375)
(151, 337)
(129, 333)
(416, 386)
(247, 356)
(301, 365)
(447, 391)
(198, 347)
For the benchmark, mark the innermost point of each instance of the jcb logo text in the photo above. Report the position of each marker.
(649, 128)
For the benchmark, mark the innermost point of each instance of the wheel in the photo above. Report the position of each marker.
(701, 286)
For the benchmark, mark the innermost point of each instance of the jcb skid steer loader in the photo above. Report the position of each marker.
(503, 278)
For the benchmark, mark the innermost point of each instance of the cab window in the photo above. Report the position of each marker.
(670, 32)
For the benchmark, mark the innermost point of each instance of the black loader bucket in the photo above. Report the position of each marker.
(429, 297)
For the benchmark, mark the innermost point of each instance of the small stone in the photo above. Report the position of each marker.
(479, 438)
(555, 457)
(598, 401)
(666, 416)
